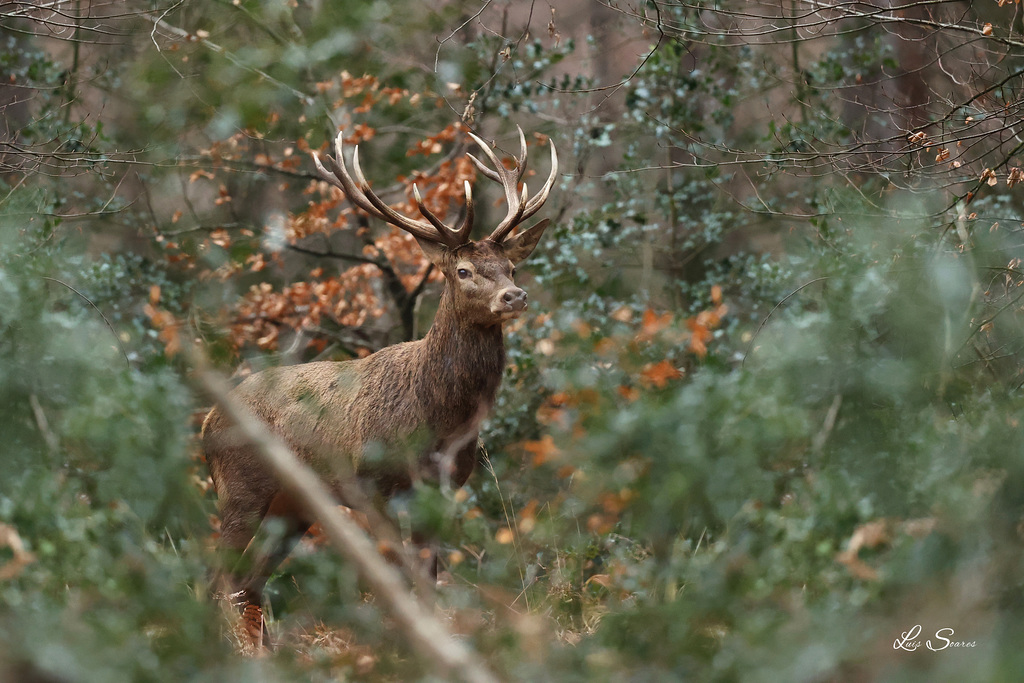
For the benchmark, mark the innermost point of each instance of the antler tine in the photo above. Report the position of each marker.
(324, 174)
(522, 151)
(462, 234)
(483, 168)
(533, 205)
(418, 228)
(499, 173)
(339, 177)
(452, 238)
(512, 219)
(538, 200)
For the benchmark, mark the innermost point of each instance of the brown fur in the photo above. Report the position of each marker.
(433, 392)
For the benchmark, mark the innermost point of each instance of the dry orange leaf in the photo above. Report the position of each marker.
(869, 535)
(566, 471)
(9, 538)
(543, 450)
(629, 393)
(659, 374)
(653, 324)
(623, 314)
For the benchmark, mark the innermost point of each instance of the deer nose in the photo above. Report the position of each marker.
(514, 298)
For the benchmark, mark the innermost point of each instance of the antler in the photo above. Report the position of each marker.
(520, 206)
(359, 193)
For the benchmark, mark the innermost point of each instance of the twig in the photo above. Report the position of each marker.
(52, 442)
(818, 443)
(425, 633)
(186, 36)
(772, 312)
(467, 22)
(112, 330)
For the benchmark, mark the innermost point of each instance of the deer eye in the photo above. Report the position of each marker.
(513, 273)
(463, 273)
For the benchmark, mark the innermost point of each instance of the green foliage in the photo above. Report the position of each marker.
(756, 426)
(748, 484)
(97, 480)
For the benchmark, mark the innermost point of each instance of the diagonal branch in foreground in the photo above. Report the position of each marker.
(427, 635)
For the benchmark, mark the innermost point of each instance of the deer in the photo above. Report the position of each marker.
(430, 394)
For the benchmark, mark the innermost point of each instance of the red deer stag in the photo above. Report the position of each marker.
(336, 415)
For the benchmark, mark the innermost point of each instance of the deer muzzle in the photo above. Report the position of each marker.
(509, 302)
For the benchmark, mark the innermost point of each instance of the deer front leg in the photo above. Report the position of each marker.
(447, 465)
(265, 550)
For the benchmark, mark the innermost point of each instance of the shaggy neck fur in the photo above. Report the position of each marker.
(462, 368)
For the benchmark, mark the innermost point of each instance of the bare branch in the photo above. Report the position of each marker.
(427, 635)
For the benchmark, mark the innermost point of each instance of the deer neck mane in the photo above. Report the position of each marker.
(462, 363)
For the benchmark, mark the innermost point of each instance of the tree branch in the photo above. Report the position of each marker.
(427, 635)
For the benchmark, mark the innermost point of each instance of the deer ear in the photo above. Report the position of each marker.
(434, 251)
(522, 245)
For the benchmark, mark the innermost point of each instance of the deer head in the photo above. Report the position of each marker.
(479, 273)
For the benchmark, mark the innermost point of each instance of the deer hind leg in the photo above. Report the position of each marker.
(264, 546)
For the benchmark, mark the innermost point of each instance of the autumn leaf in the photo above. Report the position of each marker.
(652, 324)
(614, 502)
(600, 524)
(223, 196)
(9, 538)
(868, 535)
(629, 393)
(606, 347)
(360, 133)
(566, 471)
(659, 374)
(221, 238)
(504, 536)
(700, 335)
(623, 314)
(542, 450)
(716, 295)
(704, 323)
(919, 137)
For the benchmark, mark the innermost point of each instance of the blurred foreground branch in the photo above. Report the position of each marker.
(428, 636)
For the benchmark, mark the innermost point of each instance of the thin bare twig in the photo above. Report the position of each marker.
(771, 312)
(89, 301)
